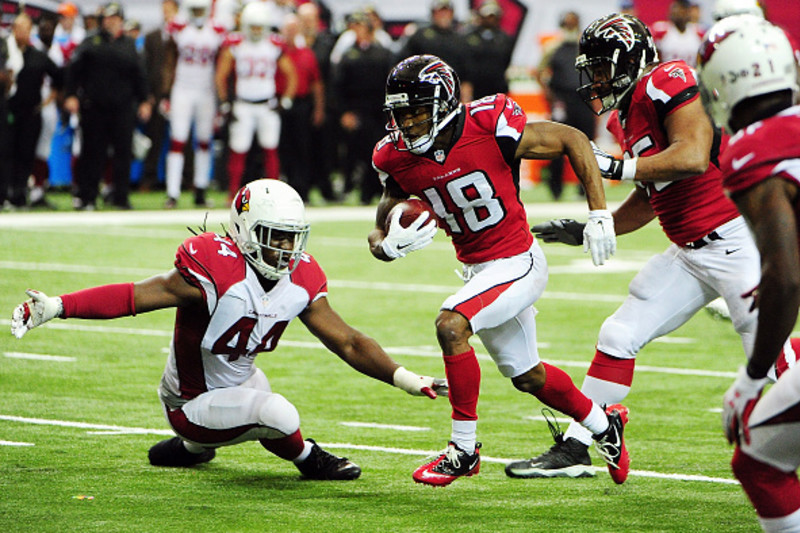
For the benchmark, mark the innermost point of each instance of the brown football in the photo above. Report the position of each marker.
(411, 208)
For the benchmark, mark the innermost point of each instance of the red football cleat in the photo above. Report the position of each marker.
(451, 464)
(611, 446)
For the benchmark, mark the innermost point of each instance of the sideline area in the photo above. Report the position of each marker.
(22, 220)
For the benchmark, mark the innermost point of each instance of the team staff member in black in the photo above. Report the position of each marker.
(359, 87)
(443, 38)
(24, 107)
(105, 81)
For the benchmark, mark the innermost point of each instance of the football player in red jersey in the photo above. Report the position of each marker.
(463, 160)
(672, 156)
(235, 295)
(762, 175)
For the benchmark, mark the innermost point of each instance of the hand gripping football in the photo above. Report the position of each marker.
(411, 209)
(409, 226)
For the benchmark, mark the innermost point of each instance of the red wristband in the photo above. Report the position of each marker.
(106, 301)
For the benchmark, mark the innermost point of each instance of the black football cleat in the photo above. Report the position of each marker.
(326, 466)
(172, 452)
(566, 458)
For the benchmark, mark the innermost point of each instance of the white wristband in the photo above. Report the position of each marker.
(406, 380)
(629, 169)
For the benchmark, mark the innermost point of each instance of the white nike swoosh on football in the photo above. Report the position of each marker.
(739, 163)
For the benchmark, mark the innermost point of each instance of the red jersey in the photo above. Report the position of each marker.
(687, 209)
(214, 345)
(762, 150)
(473, 188)
(307, 67)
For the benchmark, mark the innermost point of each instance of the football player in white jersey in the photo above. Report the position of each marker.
(190, 62)
(762, 176)
(235, 295)
(255, 60)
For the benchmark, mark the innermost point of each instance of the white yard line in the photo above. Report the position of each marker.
(39, 357)
(194, 217)
(398, 350)
(120, 430)
(392, 427)
(12, 443)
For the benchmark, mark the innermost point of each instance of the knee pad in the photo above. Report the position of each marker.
(278, 413)
(617, 339)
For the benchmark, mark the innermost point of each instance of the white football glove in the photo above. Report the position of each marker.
(738, 403)
(399, 241)
(599, 236)
(612, 168)
(419, 385)
(35, 312)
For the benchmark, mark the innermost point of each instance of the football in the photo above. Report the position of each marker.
(411, 208)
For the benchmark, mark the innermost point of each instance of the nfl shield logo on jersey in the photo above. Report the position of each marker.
(439, 155)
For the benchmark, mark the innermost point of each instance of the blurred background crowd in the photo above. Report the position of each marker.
(195, 95)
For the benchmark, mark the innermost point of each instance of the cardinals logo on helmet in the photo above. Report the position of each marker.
(710, 44)
(619, 29)
(242, 202)
(439, 71)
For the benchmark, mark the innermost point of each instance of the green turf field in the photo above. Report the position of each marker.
(76, 424)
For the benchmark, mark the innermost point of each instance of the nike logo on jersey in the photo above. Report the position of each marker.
(192, 249)
(737, 164)
(729, 252)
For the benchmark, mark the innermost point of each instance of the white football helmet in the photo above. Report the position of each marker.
(729, 8)
(260, 209)
(741, 57)
(257, 20)
(197, 11)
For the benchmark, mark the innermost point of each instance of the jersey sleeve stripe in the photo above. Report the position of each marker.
(683, 97)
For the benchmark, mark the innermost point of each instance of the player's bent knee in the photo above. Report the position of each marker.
(452, 328)
(617, 338)
(279, 414)
(531, 381)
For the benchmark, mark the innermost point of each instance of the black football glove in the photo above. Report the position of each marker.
(563, 230)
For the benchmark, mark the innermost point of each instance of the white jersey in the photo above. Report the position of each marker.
(214, 346)
(197, 54)
(256, 64)
(673, 45)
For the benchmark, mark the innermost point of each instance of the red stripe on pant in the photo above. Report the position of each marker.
(471, 307)
(203, 435)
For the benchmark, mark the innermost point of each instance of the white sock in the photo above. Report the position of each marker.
(193, 448)
(596, 422)
(202, 169)
(174, 170)
(784, 524)
(464, 434)
(304, 454)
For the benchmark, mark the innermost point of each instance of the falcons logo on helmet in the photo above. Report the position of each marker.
(618, 29)
(439, 72)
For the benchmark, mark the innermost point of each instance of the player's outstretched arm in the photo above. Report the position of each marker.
(105, 301)
(548, 140)
(364, 353)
